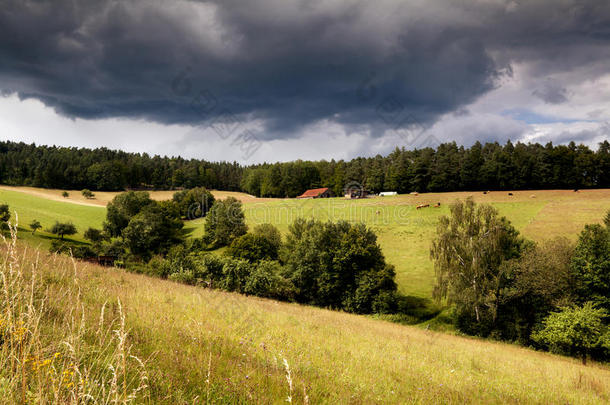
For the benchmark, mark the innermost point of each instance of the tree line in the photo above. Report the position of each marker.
(449, 167)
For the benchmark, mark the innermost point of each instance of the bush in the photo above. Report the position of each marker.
(94, 235)
(254, 247)
(70, 248)
(575, 331)
(235, 273)
(184, 277)
(265, 280)
(158, 267)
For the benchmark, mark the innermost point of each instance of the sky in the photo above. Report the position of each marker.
(278, 80)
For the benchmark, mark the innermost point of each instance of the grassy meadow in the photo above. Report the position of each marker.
(404, 232)
(205, 346)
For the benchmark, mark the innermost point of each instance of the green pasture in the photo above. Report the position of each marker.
(404, 232)
(26, 207)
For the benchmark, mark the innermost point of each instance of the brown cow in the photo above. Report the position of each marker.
(423, 206)
(437, 205)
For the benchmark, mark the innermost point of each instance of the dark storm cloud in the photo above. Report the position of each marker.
(551, 93)
(286, 63)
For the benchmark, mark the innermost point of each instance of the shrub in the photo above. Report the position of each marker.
(575, 330)
(253, 248)
(265, 280)
(5, 215)
(185, 277)
(235, 273)
(94, 235)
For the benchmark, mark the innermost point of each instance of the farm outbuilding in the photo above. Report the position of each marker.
(357, 193)
(317, 193)
(387, 193)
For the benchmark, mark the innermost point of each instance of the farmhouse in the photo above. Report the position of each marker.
(317, 193)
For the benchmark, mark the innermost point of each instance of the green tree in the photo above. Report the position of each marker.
(95, 235)
(468, 251)
(152, 231)
(194, 203)
(122, 208)
(591, 265)
(225, 222)
(540, 282)
(252, 248)
(575, 330)
(65, 194)
(62, 229)
(34, 226)
(87, 193)
(337, 265)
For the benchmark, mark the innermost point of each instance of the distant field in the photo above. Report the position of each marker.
(103, 197)
(404, 232)
(29, 207)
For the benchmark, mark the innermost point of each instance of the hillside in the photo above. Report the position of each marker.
(188, 336)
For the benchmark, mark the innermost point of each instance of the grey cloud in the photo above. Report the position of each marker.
(285, 63)
(551, 93)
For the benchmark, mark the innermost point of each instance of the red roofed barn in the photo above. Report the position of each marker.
(317, 193)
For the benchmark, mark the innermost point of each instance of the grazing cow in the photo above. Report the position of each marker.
(510, 193)
(576, 190)
(377, 212)
(437, 205)
(484, 192)
(423, 206)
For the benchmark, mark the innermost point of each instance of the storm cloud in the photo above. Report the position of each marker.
(287, 65)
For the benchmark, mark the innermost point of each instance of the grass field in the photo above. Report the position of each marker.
(205, 346)
(29, 207)
(404, 232)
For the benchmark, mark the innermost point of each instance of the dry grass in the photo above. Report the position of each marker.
(214, 347)
(205, 346)
(50, 351)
